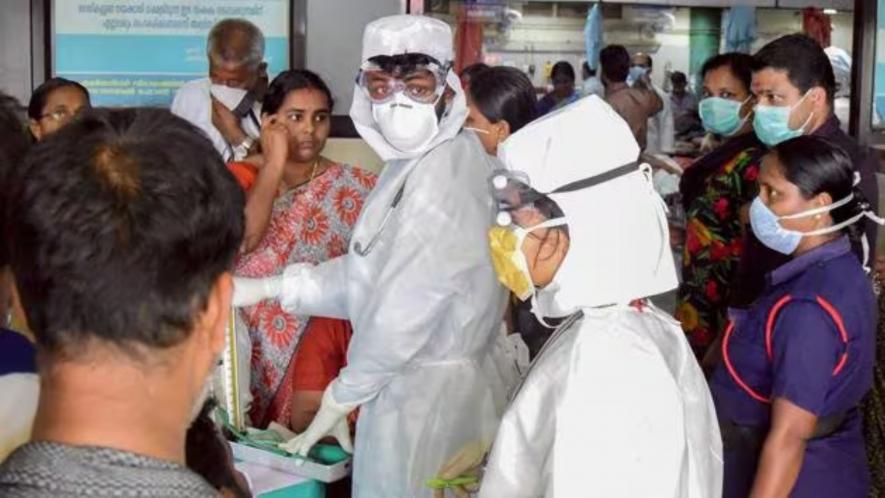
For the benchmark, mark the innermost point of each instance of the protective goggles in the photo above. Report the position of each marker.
(515, 199)
(421, 83)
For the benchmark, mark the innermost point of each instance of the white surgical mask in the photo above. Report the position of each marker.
(767, 228)
(229, 97)
(406, 125)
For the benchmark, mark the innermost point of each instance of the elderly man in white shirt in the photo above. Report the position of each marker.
(661, 129)
(227, 104)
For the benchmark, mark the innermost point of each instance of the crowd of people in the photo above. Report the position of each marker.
(475, 318)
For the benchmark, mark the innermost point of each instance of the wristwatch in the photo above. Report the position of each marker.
(242, 150)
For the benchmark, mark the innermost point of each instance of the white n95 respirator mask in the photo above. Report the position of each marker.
(405, 124)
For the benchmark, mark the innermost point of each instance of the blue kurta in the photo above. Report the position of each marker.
(805, 367)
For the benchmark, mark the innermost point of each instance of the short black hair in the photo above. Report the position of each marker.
(402, 63)
(740, 65)
(41, 94)
(615, 63)
(816, 165)
(678, 78)
(805, 62)
(563, 69)
(505, 93)
(290, 81)
(588, 72)
(14, 144)
(472, 70)
(207, 453)
(122, 222)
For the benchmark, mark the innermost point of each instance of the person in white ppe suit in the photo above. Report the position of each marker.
(615, 404)
(417, 283)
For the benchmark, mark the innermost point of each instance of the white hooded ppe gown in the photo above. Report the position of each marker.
(615, 405)
(424, 302)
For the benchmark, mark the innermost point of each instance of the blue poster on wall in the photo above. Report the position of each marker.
(137, 53)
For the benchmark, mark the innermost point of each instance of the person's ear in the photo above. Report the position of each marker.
(213, 320)
(818, 96)
(502, 130)
(822, 200)
(34, 126)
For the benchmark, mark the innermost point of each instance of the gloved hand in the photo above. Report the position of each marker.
(467, 462)
(249, 291)
(330, 420)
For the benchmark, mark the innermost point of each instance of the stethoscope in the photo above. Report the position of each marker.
(358, 247)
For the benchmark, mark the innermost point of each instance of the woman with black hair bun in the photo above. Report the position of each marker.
(500, 101)
(798, 362)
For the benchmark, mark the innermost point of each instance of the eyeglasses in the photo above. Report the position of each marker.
(61, 115)
(423, 84)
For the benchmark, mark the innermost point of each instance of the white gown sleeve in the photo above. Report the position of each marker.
(316, 290)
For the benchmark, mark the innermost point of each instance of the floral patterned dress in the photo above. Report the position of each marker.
(309, 224)
(713, 242)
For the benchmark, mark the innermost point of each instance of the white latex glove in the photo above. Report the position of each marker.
(249, 291)
(330, 420)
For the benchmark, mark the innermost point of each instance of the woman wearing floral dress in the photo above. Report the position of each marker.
(301, 207)
(716, 191)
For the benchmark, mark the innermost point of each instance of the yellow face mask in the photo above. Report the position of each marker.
(509, 262)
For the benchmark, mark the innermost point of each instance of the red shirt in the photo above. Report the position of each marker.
(321, 354)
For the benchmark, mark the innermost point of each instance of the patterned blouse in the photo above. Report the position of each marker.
(713, 237)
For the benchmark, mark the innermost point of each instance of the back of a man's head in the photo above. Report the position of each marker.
(123, 223)
(805, 62)
(615, 63)
(14, 144)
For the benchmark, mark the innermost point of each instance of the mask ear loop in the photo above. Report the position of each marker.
(745, 118)
(805, 124)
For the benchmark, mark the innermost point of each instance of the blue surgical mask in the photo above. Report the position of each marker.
(767, 228)
(722, 116)
(636, 72)
(772, 123)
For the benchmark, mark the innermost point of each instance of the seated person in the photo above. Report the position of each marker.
(126, 224)
(54, 104)
(685, 108)
(301, 207)
(562, 76)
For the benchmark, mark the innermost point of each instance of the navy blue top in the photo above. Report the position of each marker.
(17, 354)
(806, 349)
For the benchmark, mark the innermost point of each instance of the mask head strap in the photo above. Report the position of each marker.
(820, 210)
(596, 180)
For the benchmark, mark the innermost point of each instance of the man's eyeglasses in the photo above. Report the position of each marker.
(61, 115)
